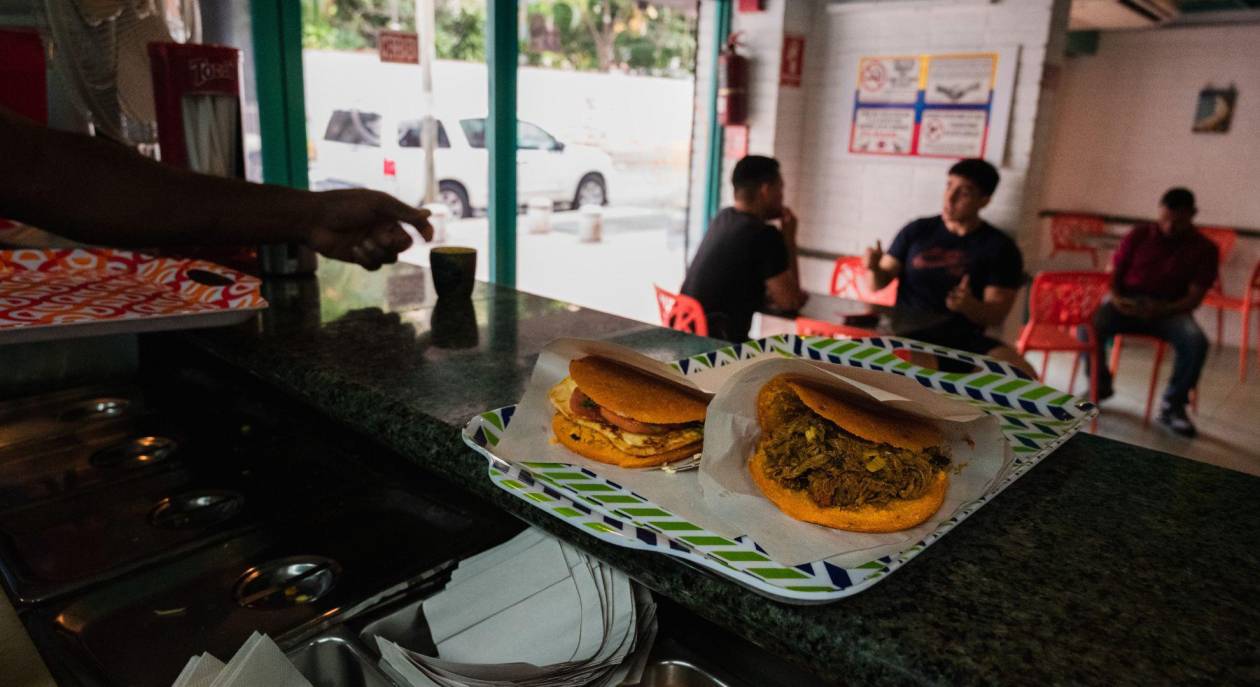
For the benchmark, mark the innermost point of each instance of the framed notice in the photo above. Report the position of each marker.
(934, 106)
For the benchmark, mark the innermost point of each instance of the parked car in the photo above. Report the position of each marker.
(354, 151)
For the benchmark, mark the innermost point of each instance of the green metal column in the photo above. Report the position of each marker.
(277, 33)
(501, 26)
(713, 172)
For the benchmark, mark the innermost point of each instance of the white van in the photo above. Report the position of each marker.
(353, 152)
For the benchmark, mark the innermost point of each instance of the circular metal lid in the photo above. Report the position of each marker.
(287, 582)
(196, 509)
(95, 409)
(135, 453)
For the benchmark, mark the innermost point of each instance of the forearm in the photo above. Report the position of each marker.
(95, 191)
(793, 262)
(1186, 304)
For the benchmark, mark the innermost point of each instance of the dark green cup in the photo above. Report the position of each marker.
(454, 270)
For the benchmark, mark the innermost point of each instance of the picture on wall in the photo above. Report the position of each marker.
(1215, 110)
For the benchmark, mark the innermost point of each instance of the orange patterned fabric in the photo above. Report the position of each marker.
(46, 288)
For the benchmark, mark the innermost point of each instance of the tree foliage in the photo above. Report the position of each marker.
(636, 36)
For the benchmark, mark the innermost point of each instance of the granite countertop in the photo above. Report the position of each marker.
(1106, 564)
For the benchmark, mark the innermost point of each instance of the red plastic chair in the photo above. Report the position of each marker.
(1066, 231)
(1058, 304)
(1244, 306)
(849, 280)
(680, 312)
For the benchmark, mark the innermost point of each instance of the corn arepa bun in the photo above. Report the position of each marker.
(626, 442)
(890, 517)
(877, 425)
(594, 446)
(634, 394)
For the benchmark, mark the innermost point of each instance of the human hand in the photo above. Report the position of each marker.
(873, 255)
(363, 227)
(1140, 308)
(959, 299)
(787, 223)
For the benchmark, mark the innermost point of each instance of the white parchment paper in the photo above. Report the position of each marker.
(979, 454)
(721, 496)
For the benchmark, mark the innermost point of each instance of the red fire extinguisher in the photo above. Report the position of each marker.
(732, 101)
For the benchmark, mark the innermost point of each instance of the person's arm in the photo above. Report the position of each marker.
(991, 310)
(98, 192)
(784, 289)
(883, 267)
(1159, 309)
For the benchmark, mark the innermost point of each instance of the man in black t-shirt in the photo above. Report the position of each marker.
(958, 274)
(743, 261)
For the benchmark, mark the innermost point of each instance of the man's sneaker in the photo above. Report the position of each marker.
(1174, 419)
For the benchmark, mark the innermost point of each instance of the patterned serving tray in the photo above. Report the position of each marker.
(49, 294)
(1035, 419)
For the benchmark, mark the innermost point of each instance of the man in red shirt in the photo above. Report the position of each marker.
(1160, 274)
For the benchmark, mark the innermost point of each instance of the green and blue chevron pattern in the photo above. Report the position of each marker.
(1035, 419)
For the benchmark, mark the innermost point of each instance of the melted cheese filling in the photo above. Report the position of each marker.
(626, 442)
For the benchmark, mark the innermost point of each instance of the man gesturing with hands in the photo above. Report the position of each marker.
(955, 266)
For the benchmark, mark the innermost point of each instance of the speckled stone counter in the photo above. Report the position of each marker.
(1106, 564)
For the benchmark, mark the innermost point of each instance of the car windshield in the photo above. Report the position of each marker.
(352, 126)
(409, 134)
(475, 130)
(528, 136)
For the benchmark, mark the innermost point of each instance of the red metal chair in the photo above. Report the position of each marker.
(849, 280)
(1244, 306)
(1067, 232)
(680, 312)
(1058, 304)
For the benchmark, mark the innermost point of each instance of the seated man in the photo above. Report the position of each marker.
(743, 261)
(1159, 275)
(959, 275)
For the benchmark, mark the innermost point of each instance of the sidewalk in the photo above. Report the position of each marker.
(614, 275)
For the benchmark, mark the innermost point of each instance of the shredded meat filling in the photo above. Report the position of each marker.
(809, 453)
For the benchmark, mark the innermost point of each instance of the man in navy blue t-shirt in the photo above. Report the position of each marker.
(958, 274)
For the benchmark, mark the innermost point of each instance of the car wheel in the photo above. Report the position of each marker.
(591, 191)
(453, 196)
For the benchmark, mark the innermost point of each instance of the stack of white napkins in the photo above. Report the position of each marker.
(257, 663)
(532, 611)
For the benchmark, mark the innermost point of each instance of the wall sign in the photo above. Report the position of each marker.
(402, 47)
(792, 63)
(924, 105)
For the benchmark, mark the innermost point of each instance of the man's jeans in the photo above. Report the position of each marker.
(1180, 331)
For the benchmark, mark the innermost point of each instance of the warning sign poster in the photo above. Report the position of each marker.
(923, 106)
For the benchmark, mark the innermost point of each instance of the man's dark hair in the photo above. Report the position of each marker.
(1179, 198)
(979, 172)
(753, 171)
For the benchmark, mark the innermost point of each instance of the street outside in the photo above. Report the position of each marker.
(639, 248)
